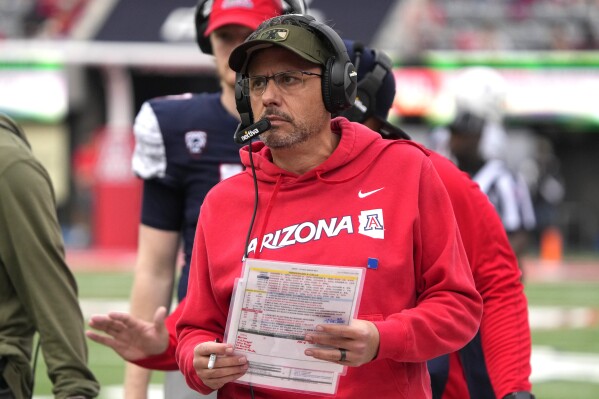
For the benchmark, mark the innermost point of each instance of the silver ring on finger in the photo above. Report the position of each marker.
(343, 355)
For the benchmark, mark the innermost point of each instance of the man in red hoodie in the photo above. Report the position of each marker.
(421, 289)
(311, 170)
(504, 372)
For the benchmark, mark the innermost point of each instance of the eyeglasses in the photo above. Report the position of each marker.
(287, 81)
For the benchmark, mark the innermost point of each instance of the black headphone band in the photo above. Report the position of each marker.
(373, 80)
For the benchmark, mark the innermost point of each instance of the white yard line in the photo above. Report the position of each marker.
(552, 317)
(102, 306)
(548, 365)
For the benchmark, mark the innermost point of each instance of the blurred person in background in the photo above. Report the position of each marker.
(38, 292)
(548, 191)
(184, 146)
(476, 139)
(488, 367)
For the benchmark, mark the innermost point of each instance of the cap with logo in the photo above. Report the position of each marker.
(250, 13)
(309, 39)
(297, 39)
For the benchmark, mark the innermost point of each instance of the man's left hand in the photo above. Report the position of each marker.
(352, 345)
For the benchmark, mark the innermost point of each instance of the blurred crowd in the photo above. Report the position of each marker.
(424, 24)
(38, 18)
(469, 25)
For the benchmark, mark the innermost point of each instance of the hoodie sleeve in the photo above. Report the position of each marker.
(505, 331)
(165, 361)
(448, 307)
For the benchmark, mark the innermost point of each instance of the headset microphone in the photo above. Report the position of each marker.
(243, 135)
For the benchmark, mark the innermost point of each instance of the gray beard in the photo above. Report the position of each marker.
(273, 138)
(301, 133)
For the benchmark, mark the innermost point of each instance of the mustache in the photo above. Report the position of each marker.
(277, 113)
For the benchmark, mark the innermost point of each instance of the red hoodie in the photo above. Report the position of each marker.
(505, 343)
(372, 198)
(505, 332)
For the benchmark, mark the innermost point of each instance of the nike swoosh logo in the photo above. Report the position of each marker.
(364, 195)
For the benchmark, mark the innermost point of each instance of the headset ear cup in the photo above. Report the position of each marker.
(204, 44)
(349, 85)
(203, 9)
(341, 85)
(327, 86)
(339, 78)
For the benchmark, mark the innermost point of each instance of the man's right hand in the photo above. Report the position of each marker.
(130, 337)
(228, 367)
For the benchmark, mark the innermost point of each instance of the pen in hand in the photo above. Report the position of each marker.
(212, 359)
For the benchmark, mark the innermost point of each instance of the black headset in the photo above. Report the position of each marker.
(367, 90)
(369, 85)
(204, 8)
(339, 77)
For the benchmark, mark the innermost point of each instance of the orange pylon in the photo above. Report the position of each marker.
(551, 246)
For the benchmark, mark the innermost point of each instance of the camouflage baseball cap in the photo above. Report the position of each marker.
(298, 39)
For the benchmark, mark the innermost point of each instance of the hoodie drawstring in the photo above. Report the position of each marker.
(271, 203)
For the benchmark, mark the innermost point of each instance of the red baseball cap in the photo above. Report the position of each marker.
(250, 13)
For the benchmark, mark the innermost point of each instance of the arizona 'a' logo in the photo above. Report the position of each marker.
(372, 224)
(195, 142)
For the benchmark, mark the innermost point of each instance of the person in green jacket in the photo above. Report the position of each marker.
(38, 292)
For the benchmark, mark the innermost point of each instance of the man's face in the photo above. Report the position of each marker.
(295, 115)
(224, 40)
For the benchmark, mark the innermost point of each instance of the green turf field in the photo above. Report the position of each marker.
(581, 340)
(108, 367)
